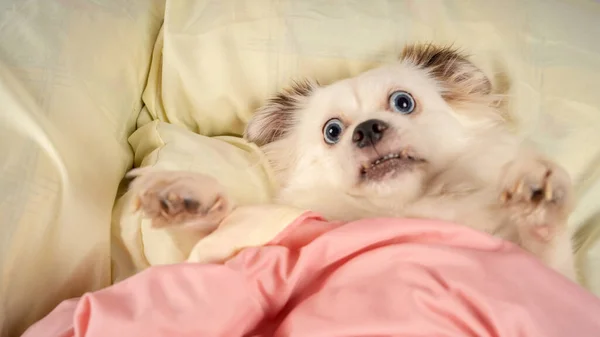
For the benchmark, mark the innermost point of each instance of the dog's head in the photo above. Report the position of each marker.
(380, 135)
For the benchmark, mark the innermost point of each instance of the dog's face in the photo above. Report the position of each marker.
(380, 135)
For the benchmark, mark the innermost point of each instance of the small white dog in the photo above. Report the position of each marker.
(418, 138)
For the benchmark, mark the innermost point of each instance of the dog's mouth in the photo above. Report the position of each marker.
(389, 165)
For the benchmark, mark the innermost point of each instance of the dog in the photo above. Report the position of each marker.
(422, 137)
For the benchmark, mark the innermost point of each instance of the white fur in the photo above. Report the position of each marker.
(467, 148)
(473, 171)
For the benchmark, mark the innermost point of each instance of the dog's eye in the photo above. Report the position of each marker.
(332, 131)
(402, 102)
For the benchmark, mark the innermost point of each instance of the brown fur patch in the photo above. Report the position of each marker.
(461, 80)
(274, 119)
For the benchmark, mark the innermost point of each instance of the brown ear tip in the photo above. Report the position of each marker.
(451, 66)
(276, 117)
(300, 87)
(486, 87)
(419, 51)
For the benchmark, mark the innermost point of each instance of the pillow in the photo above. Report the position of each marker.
(71, 77)
(239, 166)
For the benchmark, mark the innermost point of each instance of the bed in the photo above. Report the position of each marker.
(91, 88)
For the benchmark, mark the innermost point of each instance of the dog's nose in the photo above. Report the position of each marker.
(369, 132)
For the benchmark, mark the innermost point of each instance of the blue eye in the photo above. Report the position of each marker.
(402, 102)
(332, 131)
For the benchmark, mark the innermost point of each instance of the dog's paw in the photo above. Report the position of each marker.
(537, 194)
(183, 199)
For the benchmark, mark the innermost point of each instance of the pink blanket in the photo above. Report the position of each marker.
(376, 277)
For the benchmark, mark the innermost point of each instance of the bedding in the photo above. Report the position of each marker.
(71, 77)
(318, 278)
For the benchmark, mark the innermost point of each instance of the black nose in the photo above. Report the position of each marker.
(369, 132)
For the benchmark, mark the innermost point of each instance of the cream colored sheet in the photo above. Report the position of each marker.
(216, 61)
(71, 77)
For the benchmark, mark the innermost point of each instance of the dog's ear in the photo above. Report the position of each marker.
(276, 118)
(460, 80)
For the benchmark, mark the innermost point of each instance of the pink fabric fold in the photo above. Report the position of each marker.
(374, 277)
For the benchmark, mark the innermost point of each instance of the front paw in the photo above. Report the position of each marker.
(177, 198)
(538, 196)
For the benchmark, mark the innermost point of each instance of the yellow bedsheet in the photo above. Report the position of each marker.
(71, 77)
